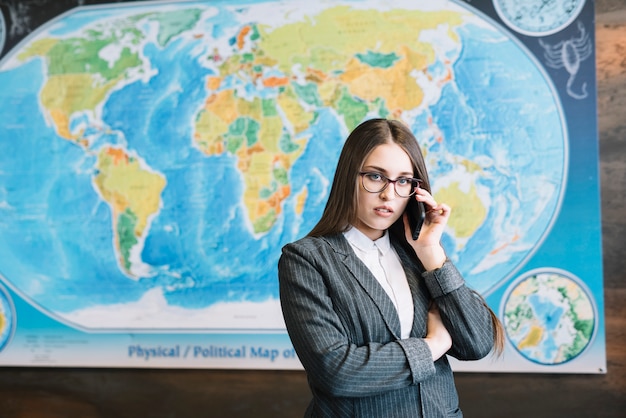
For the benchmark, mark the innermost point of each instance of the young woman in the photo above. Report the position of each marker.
(371, 312)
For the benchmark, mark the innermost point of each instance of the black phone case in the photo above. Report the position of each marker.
(416, 213)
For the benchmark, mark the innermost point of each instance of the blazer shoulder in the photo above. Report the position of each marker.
(336, 243)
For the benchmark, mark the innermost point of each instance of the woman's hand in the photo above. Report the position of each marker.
(428, 247)
(437, 338)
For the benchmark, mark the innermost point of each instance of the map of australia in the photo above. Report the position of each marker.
(175, 148)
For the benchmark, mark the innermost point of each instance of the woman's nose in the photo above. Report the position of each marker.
(389, 192)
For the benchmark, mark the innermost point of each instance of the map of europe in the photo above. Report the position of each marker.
(159, 155)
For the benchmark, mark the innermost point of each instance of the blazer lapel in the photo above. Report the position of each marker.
(368, 282)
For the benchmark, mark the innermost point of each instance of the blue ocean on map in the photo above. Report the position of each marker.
(542, 155)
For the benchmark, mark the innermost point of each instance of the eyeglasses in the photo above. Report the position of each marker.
(374, 182)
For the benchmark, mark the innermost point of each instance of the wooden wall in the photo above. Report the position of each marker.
(85, 393)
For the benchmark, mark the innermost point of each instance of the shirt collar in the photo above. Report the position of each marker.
(364, 243)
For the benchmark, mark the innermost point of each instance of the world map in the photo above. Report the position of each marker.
(158, 156)
(549, 317)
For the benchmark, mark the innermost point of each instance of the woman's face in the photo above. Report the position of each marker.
(376, 212)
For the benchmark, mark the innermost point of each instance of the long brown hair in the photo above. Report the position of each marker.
(341, 208)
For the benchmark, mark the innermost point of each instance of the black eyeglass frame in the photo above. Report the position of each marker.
(415, 181)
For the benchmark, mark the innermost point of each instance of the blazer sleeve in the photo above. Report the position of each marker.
(333, 363)
(463, 312)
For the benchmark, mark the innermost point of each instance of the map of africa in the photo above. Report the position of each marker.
(549, 318)
(158, 156)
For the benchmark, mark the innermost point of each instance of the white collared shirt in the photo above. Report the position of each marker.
(383, 261)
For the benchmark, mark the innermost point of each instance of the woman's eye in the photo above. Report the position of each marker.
(402, 181)
(375, 177)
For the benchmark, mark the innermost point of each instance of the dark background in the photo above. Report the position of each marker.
(23, 16)
(86, 393)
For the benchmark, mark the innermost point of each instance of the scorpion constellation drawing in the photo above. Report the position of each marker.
(569, 54)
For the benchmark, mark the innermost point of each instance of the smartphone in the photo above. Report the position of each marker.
(416, 213)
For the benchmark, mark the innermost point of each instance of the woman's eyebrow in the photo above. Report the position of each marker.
(384, 171)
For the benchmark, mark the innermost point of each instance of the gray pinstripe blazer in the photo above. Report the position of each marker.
(346, 332)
